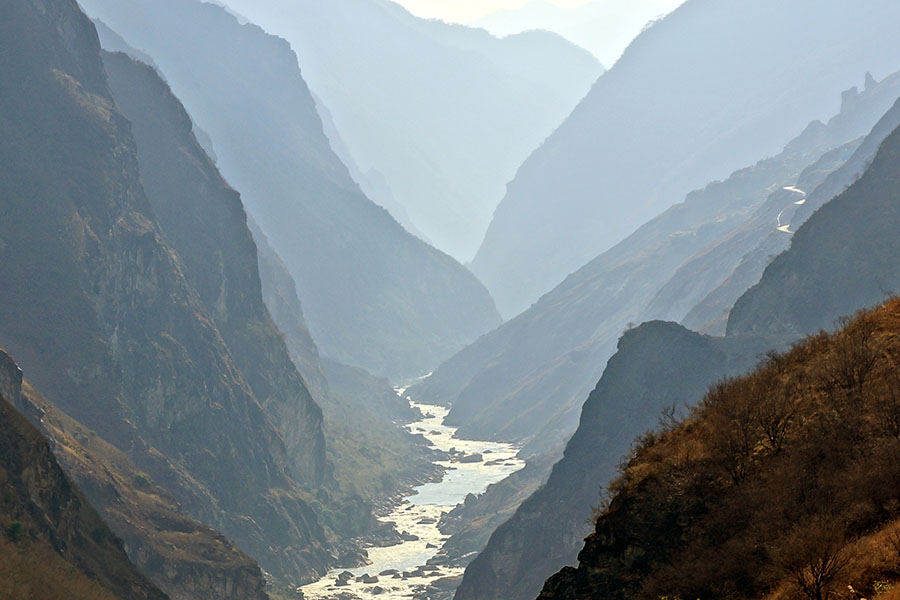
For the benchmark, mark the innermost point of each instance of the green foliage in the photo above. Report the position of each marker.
(142, 481)
(14, 531)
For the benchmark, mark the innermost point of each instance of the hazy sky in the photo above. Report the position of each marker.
(463, 11)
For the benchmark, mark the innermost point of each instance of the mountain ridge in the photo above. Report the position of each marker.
(650, 131)
(353, 266)
(444, 112)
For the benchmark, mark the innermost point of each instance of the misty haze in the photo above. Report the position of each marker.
(449, 300)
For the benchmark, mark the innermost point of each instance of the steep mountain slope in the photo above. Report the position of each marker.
(53, 544)
(711, 314)
(204, 221)
(871, 199)
(185, 559)
(841, 259)
(374, 296)
(658, 366)
(707, 236)
(650, 130)
(372, 182)
(529, 377)
(693, 281)
(782, 483)
(371, 453)
(444, 112)
(97, 306)
(603, 27)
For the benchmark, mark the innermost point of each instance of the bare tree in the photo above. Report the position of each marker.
(774, 412)
(855, 354)
(815, 556)
(733, 434)
(888, 410)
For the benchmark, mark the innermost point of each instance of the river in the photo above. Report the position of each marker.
(400, 571)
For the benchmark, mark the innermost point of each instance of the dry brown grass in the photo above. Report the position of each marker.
(783, 484)
(33, 571)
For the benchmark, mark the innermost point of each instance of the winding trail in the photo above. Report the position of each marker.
(779, 226)
(801, 202)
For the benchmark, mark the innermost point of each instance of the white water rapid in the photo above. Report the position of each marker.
(399, 571)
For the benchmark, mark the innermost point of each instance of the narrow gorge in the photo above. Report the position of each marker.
(412, 568)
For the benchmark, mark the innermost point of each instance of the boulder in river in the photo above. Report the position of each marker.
(471, 458)
(447, 583)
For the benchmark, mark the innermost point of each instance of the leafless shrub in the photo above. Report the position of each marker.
(815, 556)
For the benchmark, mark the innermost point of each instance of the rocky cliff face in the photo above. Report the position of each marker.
(204, 220)
(53, 544)
(373, 295)
(99, 307)
(187, 560)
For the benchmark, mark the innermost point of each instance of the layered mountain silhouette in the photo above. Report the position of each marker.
(778, 482)
(602, 27)
(445, 114)
(527, 547)
(652, 129)
(660, 365)
(213, 278)
(156, 340)
(839, 261)
(374, 296)
(527, 379)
